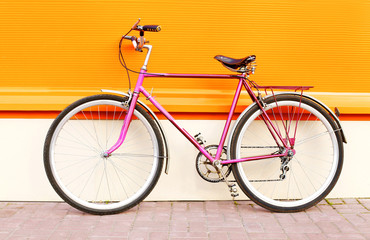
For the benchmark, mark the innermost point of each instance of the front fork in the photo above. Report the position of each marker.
(131, 103)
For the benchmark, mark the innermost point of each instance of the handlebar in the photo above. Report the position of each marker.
(150, 28)
(139, 42)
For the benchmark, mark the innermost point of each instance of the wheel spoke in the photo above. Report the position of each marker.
(80, 172)
(306, 176)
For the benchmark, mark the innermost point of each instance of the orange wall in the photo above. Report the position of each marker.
(72, 44)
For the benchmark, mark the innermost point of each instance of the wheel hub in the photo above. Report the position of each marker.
(105, 155)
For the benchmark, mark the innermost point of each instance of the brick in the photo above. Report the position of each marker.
(366, 235)
(4, 235)
(345, 227)
(218, 235)
(197, 226)
(364, 228)
(221, 223)
(284, 218)
(238, 235)
(226, 229)
(327, 227)
(275, 236)
(79, 235)
(179, 226)
(6, 213)
(254, 227)
(60, 235)
(138, 235)
(316, 236)
(182, 238)
(335, 201)
(365, 202)
(301, 228)
(355, 219)
(272, 227)
(301, 217)
(188, 235)
(350, 201)
(350, 208)
(345, 236)
(297, 236)
(158, 235)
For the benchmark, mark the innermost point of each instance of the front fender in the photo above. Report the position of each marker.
(156, 120)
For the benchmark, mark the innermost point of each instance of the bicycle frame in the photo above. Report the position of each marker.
(139, 89)
(242, 82)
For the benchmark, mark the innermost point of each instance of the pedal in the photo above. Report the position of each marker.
(234, 195)
(199, 138)
(233, 190)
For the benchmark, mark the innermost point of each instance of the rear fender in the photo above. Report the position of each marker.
(336, 119)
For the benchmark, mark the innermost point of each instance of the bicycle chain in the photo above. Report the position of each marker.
(261, 147)
(268, 180)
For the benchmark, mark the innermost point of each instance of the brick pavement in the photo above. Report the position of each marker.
(331, 219)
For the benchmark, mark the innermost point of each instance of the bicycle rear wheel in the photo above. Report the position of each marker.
(77, 168)
(283, 184)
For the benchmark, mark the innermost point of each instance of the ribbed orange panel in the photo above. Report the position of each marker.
(72, 44)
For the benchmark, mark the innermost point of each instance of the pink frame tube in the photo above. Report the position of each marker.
(182, 130)
(140, 89)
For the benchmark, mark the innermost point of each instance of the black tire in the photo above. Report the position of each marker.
(77, 169)
(312, 172)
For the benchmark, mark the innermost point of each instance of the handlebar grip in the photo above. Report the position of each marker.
(152, 28)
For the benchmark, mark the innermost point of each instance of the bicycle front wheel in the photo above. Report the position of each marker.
(288, 184)
(74, 155)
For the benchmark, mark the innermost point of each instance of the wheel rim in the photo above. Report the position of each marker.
(306, 179)
(81, 171)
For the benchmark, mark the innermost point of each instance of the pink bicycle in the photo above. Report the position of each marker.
(104, 154)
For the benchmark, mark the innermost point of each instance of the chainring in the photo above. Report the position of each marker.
(205, 168)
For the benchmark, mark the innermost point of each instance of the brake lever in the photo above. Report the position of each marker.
(135, 25)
